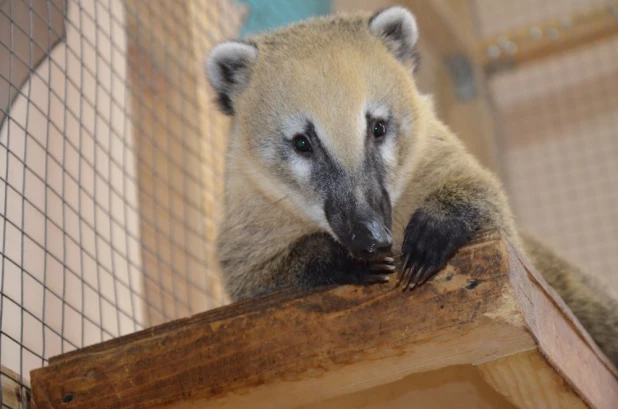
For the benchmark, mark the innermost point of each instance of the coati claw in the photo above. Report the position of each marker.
(379, 270)
(388, 268)
(413, 278)
(428, 274)
(429, 243)
(383, 264)
(407, 274)
(376, 278)
(402, 269)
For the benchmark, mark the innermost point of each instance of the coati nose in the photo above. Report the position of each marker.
(369, 238)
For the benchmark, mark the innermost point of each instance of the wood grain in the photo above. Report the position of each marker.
(283, 344)
(561, 339)
(455, 387)
(527, 381)
(290, 350)
(15, 390)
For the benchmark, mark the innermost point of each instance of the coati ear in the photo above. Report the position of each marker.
(229, 66)
(397, 29)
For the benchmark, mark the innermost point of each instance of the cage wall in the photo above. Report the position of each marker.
(111, 164)
(558, 121)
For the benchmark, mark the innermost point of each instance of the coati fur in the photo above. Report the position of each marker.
(336, 157)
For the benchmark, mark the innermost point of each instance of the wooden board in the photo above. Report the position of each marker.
(15, 390)
(455, 387)
(522, 377)
(529, 44)
(289, 350)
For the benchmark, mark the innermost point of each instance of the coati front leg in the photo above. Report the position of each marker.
(447, 219)
(317, 260)
(313, 261)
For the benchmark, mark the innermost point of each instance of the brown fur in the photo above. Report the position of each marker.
(268, 236)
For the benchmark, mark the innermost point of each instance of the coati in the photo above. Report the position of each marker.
(336, 157)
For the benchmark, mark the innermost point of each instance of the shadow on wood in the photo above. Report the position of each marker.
(487, 314)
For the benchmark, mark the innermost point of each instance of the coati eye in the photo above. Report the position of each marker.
(301, 144)
(379, 129)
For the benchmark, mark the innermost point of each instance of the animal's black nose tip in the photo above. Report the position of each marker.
(371, 238)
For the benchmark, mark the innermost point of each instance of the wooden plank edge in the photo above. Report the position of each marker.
(15, 390)
(561, 338)
(334, 348)
(234, 310)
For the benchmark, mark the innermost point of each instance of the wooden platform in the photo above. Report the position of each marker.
(486, 333)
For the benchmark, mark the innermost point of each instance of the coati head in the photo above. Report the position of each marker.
(325, 114)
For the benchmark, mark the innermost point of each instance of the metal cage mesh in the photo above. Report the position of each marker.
(111, 166)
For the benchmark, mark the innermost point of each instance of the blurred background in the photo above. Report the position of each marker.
(112, 152)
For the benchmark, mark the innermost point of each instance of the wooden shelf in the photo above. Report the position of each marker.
(529, 44)
(487, 332)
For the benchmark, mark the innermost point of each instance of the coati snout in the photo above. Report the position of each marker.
(363, 230)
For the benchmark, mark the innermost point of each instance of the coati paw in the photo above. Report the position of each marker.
(378, 270)
(429, 242)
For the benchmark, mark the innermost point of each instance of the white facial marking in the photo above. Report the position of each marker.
(280, 192)
(388, 147)
(301, 169)
(300, 166)
(293, 125)
(377, 110)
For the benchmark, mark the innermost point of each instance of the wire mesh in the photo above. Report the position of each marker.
(112, 159)
(111, 162)
(559, 122)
